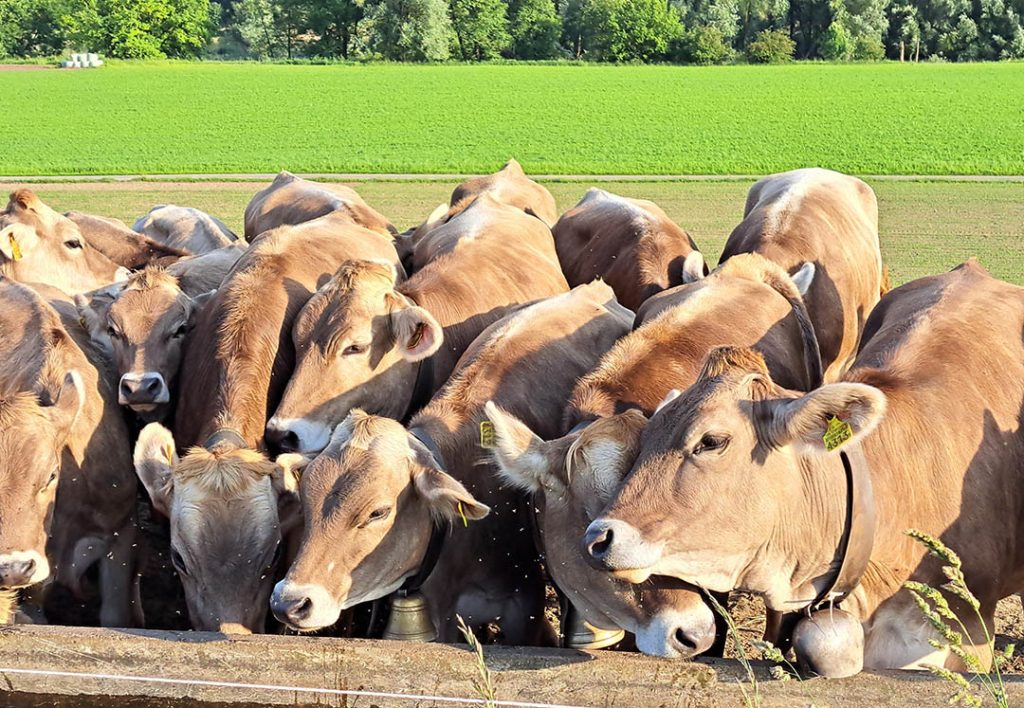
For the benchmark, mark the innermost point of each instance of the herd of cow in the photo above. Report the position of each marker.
(503, 396)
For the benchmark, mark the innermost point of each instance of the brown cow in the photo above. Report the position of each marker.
(290, 200)
(509, 185)
(748, 301)
(365, 343)
(229, 507)
(370, 497)
(828, 219)
(184, 228)
(739, 484)
(143, 322)
(116, 241)
(64, 433)
(571, 480)
(630, 243)
(38, 245)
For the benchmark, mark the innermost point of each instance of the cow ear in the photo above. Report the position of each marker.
(121, 274)
(284, 479)
(694, 267)
(68, 404)
(155, 458)
(826, 418)
(524, 459)
(804, 277)
(17, 241)
(444, 494)
(417, 333)
(92, 312)
(669, 397)
(199, 302)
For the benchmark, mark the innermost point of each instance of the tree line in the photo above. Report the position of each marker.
(682, 31)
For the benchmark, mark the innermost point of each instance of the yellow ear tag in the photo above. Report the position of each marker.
(486, 434)
(837, 434)
(169, 453)
(465, 522)
(15, 248)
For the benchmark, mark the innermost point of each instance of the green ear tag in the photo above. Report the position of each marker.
(462, 513)
(486, 434)
(837, 434)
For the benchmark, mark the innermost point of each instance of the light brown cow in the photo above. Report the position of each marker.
(229, 507)
(62, 432)
(365, 343)
(290, 200)
(509, 185)
(828, 219)
(143, 322)
(571, 479)
(38, 245)
(747, 301)
(184, 228)
(630, 243)
(116, 241)
(736, 485)
(370, 496)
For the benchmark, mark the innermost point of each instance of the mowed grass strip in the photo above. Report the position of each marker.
(926, 228)
(165, 117)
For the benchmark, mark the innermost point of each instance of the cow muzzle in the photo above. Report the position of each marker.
(19, 569)
(618, 547)
(678, 635)
(304, 608)
(297, 435)
(145, 389)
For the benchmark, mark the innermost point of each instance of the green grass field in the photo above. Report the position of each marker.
(925, 227)
(206, 117)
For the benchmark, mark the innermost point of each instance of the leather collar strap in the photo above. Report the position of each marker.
(858, 537)
(226, 435)
(439, 530)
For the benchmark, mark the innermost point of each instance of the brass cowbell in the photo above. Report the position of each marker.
(409, 620)
(577, 633)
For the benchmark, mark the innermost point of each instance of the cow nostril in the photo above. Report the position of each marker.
(283, 439)
(302, 609)
(600, 545)
(29, 567)
(683, 641)
(126, 388)
(151, 385)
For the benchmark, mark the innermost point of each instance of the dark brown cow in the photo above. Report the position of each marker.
(366, 343)
(737, 485)
(63, 433)
(828, 219)
(223, 496)
(38, 245)
(293, 200)
(370, 497)
(630, 243)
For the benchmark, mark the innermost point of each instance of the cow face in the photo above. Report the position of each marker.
(358, 343)
(229, 509)
(368, 500)
(717, 476)
(39, 245)
(573, 478)
(144, 325)
(33, 433)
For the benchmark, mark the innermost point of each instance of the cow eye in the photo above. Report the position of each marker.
(354, 349)
(711, 443)
(378, 515)
(180, 332)
(178, 562)
(73, 244)
(51, 480)
(113, 333)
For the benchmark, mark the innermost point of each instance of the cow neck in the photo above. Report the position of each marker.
(423, 389)
(855, 544)
(438, 532)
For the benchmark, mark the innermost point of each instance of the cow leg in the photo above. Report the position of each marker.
(120, 580)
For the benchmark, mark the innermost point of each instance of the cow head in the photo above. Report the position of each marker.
(144, 321)
(368, 499)
(33, 433)
(358, 343)
(733, 487)
(41, 246)
(229, 509)
(573, 478)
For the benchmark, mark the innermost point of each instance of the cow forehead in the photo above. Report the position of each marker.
(353, 468)
(148, 306)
